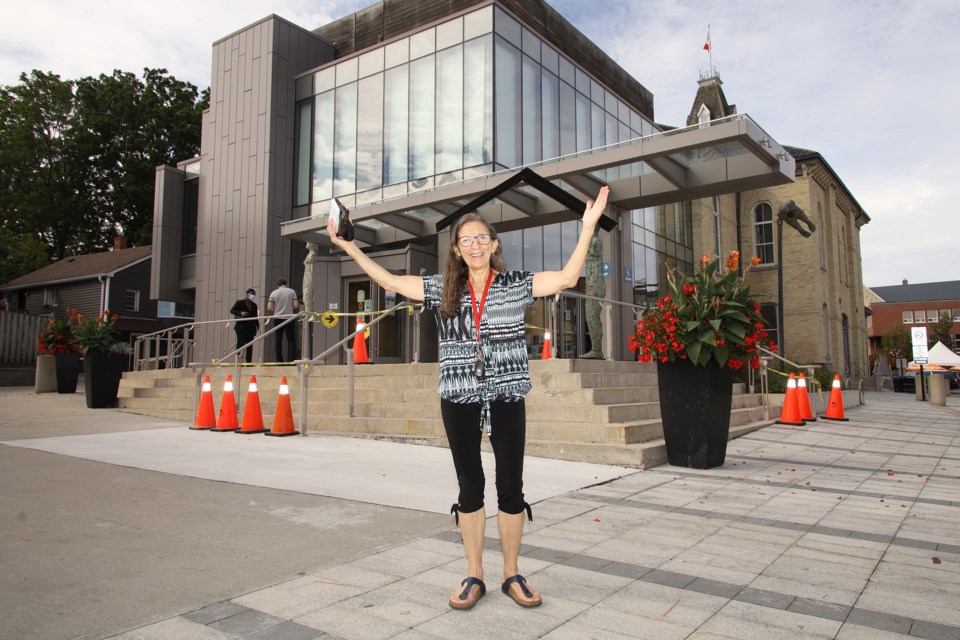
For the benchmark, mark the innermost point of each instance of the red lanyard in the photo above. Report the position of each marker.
(478, 312)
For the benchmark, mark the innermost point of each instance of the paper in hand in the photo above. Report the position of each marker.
(341, 220)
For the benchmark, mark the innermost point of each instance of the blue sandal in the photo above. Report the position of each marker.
(466, 600)
(522, 582)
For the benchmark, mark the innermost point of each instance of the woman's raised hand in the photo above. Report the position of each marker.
(595, 208)
(334, 238)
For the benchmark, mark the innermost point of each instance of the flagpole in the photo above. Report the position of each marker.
(710, 50)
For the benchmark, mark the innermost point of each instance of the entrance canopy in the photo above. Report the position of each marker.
(723, 156)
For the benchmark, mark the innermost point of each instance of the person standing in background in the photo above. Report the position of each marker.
(283, 302)
(245, 311)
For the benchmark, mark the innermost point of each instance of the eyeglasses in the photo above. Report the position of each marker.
(467, 241)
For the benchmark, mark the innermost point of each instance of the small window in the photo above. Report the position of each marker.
(50, 297)
(763, 232)
(919, 316)
(932, 315)
(956, 315)
(944, 312)
(703, 116)
(131, 300)
(908, 317)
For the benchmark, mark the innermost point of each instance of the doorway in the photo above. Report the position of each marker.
(386, 341)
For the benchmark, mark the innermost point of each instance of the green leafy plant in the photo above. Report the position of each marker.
(95, 334)
(58, 336)
(706, 316)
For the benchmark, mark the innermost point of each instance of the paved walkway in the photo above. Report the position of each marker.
(833, 530)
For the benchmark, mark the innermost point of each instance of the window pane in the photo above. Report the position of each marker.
(568, 120)
(421, 118)
(919, 316)
(423, 43)
(370, 144)
(763, 233)
(507, 27)
(478, 23)
(907, 317)
(345, 137)
(530, 111)
(533, 249)
(583, 122)
(512, 244)
(552, 257)
(507, 97)
(397, 53)
(301, 191)
(395, 124)
(477, 107)
(449, 33)
(450, 109)
(551, 115)
(597, 127)
(323, 147)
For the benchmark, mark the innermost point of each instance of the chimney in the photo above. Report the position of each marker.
(120, 242)
(905, 281)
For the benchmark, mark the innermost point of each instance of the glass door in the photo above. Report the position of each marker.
(386, 341)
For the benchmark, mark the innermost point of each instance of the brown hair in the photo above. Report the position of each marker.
(455, 275)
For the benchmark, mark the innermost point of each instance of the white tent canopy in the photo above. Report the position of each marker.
(942, 355)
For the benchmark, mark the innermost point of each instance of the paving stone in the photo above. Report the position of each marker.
(585, 562)
(288, 631)
(743, 620)
(175, 629)
(246, 623)
(215, 612)
(879, 620)
(934, 631)
(669, 578)
(763, 598)
(826, 610)
(714, 587)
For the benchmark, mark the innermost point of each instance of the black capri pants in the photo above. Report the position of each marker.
(507, 437)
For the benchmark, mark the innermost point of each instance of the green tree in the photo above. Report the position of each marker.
(78, 158)
(20, 254)
(941, 331)
(896, 342)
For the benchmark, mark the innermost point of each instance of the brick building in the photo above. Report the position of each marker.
(824, 319)
(913, 305)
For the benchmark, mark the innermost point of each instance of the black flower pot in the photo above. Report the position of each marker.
(101, 377)
(695, 409)
(68, 370)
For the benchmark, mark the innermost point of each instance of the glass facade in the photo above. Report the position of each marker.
(661, 236)
(475, 94)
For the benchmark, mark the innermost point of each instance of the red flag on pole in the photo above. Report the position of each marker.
(706, 45)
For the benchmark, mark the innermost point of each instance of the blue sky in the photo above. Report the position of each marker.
(867, 84)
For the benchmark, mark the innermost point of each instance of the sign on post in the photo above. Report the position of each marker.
(919, 337)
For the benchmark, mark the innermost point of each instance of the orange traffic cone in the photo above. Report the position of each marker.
(206, 418)
(227, 420)
(360, 345)
(252, 417)
(283, 419)
(803, 401)
(546, 346)
(791, 408)
(835, 406)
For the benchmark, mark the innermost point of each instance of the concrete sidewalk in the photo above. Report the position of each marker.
(833, 530)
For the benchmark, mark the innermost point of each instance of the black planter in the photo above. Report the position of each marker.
(695, 410)
(68, 370)
(101, 377)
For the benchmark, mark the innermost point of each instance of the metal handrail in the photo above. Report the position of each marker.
(303, 365)
(605, 304)
(764, 381)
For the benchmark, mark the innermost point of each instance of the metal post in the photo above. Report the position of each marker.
(781, 331)
(303, 399)
(350, 381)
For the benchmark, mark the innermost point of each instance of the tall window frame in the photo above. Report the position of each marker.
(763, 245)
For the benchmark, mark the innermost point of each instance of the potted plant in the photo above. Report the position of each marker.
(104, 358)
(57, 341)
(705, 328)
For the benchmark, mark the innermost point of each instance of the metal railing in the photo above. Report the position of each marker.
(606, 306)
(303, 365)
(765, 360)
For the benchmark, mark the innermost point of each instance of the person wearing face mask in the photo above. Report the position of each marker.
(479, 308)
(247, 325)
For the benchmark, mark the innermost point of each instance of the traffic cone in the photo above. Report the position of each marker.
(283, 418)
(791, 408)
(835, 406)
(360, 345)
(803, 401)
(227, 420)
(545, 355)
(206, 417)
(252, 417)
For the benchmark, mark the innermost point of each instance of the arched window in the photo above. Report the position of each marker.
(763, 233)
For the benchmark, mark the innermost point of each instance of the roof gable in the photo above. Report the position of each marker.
(85, 266)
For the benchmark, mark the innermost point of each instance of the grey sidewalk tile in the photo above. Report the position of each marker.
(635, 626)
(742, 620)
(350, 624)
(948, 548)
(175, 629)
(288, 631)
(856, 632)
(765, 598)
(625, 570)
(934, 631)
(714, 588)
(247, 623)
(547, 555)
(280, 603)
(585, 562)
(827, 610)
(669, 578)
(448, 536)
(574, 630)
(879, 620)
(215, 612)
(917, 544)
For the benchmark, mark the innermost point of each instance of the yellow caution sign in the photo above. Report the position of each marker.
(329, 319)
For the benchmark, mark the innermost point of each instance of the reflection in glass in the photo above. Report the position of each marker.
(395, 124)
(421, 118)
(507, 97)
(533, 249)
(552, 248)
(323, 147)
(370, 143)
(583, 123)
(530, 111)
(511, 242)
(551, 115)
(450, 109)
(301, 191)
(568, 120)
(345, 141)
(477, 103)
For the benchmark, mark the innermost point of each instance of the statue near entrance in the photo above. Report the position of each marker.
(598, 288)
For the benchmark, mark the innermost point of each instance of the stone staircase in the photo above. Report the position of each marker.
(584, 410)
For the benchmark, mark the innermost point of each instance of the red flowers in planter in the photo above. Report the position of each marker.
(707, 315)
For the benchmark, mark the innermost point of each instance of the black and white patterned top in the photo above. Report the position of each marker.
(507, 376)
